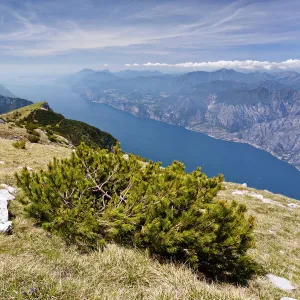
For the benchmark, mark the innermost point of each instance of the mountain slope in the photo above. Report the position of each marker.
(224, 104)
(41, 116)
(7, 103)
(37, 265)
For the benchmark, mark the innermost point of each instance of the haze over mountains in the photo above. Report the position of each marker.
(262, 109)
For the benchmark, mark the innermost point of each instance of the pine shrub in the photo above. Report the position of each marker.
(32, 138)
(98, 196)
(20, 144)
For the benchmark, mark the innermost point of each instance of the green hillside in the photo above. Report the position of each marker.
(41, 116)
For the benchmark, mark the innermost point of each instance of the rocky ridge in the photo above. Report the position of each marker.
(260, 109)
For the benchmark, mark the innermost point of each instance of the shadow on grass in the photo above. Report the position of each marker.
(237, 272)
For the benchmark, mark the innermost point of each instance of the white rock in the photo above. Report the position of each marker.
(2, 162)
(293, 205)
(29, 169)
(280, 282)
(281, 251)
(244, 184)
(237, 192)
(3, 214)
(286, 298)
(6, 196)
(272, 232)
(7, 187)
(5, 227)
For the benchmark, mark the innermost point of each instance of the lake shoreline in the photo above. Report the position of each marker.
(205, 132)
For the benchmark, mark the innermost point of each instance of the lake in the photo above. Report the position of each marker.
(163, 142)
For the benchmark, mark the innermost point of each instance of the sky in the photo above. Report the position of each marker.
(58, 37)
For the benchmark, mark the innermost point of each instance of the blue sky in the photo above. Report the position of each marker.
(52, 36)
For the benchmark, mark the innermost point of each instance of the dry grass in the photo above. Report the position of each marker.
(22, 112)
(34, 156)
(33, 261)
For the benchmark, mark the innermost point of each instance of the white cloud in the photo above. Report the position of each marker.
(176, 27)
(291, 64)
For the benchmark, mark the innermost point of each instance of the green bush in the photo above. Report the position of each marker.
(33, 138)
(20, 144)
(31, 126)
(52, 139)
(97, 197)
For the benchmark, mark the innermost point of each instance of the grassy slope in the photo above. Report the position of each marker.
(23, 111)
(72, 130)
(31, 258)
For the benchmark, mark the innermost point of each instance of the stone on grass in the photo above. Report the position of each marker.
(5, 227)
(237, 192)
(8, 188)
(2, 162)
(293, 205)
(244, 184)
(257, 196)
(281, 282)
(6, 196)
(287, 298)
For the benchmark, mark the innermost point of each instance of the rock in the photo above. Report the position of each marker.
(29, 169)
(2, 162)
(6, 227)
(293, 205)
(3, 212)
(10, 189)
(280, 282)
(237, 192)
(286, 298)
(272, 232)
(244, 184)
(6, 196)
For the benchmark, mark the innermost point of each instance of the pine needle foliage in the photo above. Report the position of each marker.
(97, 197)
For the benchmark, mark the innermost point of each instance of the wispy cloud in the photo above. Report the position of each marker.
(171, 31)
(291, 64)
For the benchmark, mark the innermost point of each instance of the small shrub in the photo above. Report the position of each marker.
(20, 144)
(97, 196)
(31, 126)
(52, 139)
(33, 138)
(33, 132)
(49, 131)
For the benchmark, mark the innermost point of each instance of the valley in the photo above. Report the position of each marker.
(260, 109)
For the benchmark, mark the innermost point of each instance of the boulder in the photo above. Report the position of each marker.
(10, 189)
(5, 196)
(280, 282)
(237, 192)
(6, 227)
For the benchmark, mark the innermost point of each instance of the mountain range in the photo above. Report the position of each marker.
(262, 109)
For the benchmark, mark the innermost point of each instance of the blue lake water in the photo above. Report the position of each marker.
(162, 142)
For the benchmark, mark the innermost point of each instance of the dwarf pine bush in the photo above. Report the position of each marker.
(98, 196)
